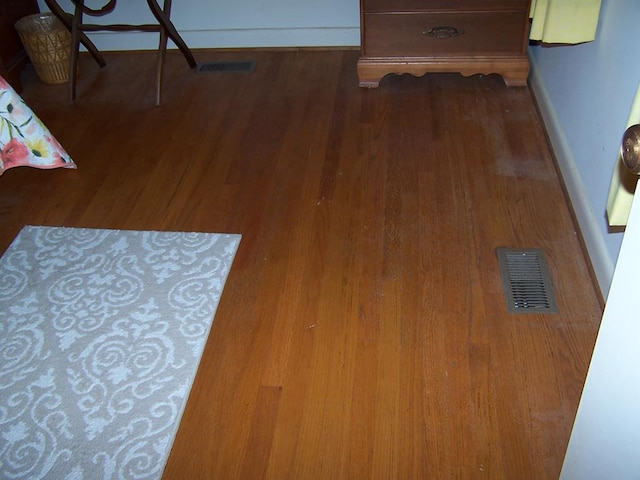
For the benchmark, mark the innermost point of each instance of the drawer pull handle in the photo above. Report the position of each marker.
(442, 33)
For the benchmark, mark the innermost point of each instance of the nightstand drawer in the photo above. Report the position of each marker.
(443, 5)
(452, 34)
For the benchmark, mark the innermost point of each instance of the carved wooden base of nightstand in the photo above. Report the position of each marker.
(513, 69)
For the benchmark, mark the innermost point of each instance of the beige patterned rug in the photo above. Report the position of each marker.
(101, 333)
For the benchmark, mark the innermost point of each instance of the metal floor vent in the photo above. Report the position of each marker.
(526, 280)
(226, 67)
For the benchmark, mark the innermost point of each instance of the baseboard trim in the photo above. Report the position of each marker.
(602, 264)
(234, 38)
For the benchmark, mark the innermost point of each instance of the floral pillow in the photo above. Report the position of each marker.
(24, 140)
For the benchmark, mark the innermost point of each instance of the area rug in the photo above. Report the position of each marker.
(101, 334)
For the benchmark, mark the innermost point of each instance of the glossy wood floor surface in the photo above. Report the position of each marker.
(363, 332)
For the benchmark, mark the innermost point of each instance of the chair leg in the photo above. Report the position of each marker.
(74, 23)
(163, 18)
(160, 69)
(162, 50)
(75, 49)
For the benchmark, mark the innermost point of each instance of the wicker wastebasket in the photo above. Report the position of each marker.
(48, 43)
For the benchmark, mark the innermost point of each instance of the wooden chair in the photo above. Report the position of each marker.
(78, 28)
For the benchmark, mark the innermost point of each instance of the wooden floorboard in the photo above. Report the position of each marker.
(363, 331)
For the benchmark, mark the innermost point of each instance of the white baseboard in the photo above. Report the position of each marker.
(234, 38)
(596, 249)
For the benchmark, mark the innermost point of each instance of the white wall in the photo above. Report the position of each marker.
(236, 23)
(585, 92)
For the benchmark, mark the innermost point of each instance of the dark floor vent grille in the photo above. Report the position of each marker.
(226, 67)
(526, 280)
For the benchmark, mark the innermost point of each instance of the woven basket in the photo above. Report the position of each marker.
(48, 44)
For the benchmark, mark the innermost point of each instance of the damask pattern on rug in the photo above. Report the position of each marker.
(101, 333)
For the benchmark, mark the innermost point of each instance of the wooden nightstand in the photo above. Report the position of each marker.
(12, 55)
(463, 36)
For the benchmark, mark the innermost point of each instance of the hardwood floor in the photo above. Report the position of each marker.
(363, 332)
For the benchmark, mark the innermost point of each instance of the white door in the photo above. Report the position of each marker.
(605, 441)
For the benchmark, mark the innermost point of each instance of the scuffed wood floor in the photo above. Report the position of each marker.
(363, 332)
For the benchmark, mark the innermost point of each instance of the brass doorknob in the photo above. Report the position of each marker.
(630, 149)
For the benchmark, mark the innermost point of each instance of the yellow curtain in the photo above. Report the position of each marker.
(564, 21)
